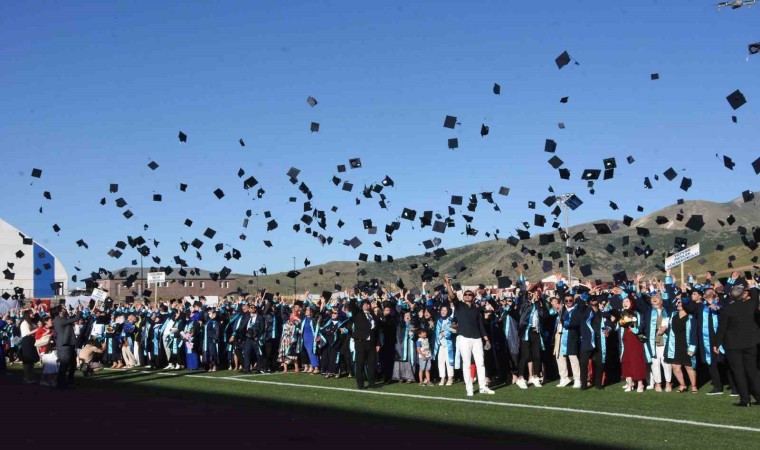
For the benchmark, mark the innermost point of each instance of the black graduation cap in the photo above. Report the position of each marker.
(157, 197)
(685, 184)
(314, 127)
(695, 222)
(602, 228)
(610, 248)
(56, 228)
(591, 174)
(562, 60)
(539, 220)
(647, 183)
(182, 137)
(312, 101)
(550, 146)
(680, 243)
(153, 165)
(504, 191)
(439, 253)
(496, 89)
(182, 187)
(756, 166)
(564, 99)
(561, 125)
(484, 130)
(523, 234)
(627, 220)
(188, 222)
(736, 99)
(613, 205)
(293, 273)
(555, 162)
(120, 202)
(408, 214)
(609, 174)
(128, 214)
(450, 122)
(271, 225)
(453, 143)
(388, 181)
(36, 173)
(531, 205)
(564, 174)
(292, 173)
(209, 233)
(219, 193)
(748, 196)
(439, 227)
(620, 277)
(610, 163)
(670, 174)
(242, 142)
(661, 220)
(546, 239)
(355, 163)
(654, 76)
(728, 162)
(586, 270)
(754, 48)
(456, 199)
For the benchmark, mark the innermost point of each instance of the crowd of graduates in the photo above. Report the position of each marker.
(653, 334)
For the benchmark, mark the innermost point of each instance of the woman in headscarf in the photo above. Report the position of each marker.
(403, 367)
(632, 357)
(289, 348)
(443, 346)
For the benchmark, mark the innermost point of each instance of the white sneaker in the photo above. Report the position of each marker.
(443, 381)
(485, 390)
(577, 384)
(169, 367)
(469, 393)
(535, 382)
(522, 384)
(627, 389)
(564, 382)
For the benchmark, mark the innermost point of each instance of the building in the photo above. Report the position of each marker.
(28, 267)
(198, 282)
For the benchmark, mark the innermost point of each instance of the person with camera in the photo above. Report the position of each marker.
(65, 342)
(470, 335)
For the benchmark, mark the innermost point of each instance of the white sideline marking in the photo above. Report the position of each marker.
(480, 402)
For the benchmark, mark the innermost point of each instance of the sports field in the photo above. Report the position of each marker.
(300, 404)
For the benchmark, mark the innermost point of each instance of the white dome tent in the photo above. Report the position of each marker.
(28, 266)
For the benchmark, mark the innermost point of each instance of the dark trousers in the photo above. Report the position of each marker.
(270, 352)
(596, 356)
(530, 351)
(66, 367)
(714, 368)
(743, 363)
(329, 362)
(253, 348)
(366, 359)
(346, 358)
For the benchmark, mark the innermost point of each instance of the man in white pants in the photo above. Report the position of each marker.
(657, 343)
(470, 334)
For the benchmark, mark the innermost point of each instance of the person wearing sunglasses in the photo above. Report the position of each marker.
(470, 335)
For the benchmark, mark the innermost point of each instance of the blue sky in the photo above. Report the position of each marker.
(91, 93)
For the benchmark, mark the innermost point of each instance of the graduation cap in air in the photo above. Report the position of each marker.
(685, 184)
(355, 163)
(539, 220)
(728, 162)
(602, 228)
(36, 173)
(670, 174)
(182, 137)
(209, 233)
(450, 122)
(219, 193)
(550, 146)
(408, 214)
(496, 89)
(56, 228)
(312, 101)
(586, 270)
(120, 202)
(661, 220)
(242, 142)
(736, 99)
(756, 166)
(680, 243)
(613, 205)
(182, 187)
(754, 48)
(314, 127)
(561, 125)
(695, 223)
(388, 181)
(271, 225)
(546, 239)
(591, 174)
(654, 76)
(564, 99)
(484, 129)
(453, 143)
(157, 197)
(608, 174)
(748, 196)
(620, 277)
(555, 162)
(293, 274)
(153, 165)
(562, 60)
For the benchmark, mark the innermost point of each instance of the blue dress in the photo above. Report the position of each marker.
(308, 342)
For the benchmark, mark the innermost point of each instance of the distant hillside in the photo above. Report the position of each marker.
(481, 259)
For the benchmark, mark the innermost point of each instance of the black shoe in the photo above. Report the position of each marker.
(715, 392)
(246, 372)
(600, 388)
(584, 388)
(361, 388)
(743, 404)
(372, 386)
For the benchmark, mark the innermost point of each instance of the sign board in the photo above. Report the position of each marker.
(681, 257)
(98, 295)
(156, 277)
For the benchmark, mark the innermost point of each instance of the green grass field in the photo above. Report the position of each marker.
(609, 418)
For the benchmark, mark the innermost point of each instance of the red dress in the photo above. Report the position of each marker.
(634, 363)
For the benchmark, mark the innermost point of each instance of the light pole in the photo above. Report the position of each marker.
(570, 202)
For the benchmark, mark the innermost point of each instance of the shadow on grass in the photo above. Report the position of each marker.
(111, 406)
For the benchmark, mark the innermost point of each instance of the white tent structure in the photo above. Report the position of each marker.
(28, 266)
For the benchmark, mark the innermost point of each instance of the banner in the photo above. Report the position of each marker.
(681, 257)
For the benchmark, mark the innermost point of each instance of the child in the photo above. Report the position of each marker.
(49, 367)
(424, 356)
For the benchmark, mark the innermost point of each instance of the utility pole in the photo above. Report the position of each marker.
(569, 202)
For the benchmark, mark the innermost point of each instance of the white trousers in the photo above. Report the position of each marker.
(472, 348)
(137, 353)
(574, 364)
(659, 361)
(444, 368)
(129, 358)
